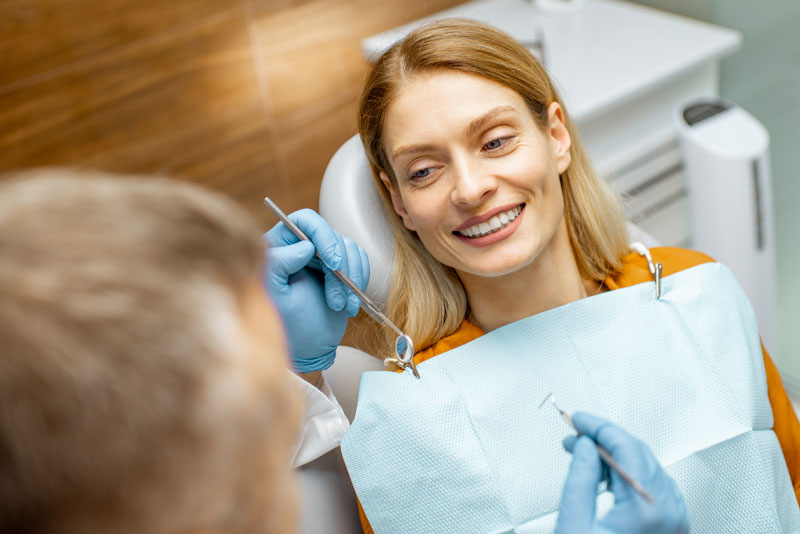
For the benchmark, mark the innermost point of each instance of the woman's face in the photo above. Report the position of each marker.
(477, 178)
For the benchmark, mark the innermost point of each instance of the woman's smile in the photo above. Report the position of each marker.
(482, 231)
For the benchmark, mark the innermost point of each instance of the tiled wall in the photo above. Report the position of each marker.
(250, 97)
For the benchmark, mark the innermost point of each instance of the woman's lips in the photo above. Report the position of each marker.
(491, 225)
(494, 237)
(483, 217)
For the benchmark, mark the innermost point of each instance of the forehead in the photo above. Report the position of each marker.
(440, 100)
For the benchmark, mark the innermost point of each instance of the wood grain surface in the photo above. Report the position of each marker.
(248, 97)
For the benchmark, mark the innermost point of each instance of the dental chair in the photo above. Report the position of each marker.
(349, 201)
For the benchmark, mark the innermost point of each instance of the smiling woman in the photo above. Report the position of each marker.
(497, 217)
(495, 194)
(511, 256)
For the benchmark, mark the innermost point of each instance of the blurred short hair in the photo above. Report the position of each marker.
(120, 307)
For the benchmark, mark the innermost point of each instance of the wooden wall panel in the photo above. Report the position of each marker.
(37, 36)
(248, 169)
(249, 97)
(146, 107)
(313, 70)
(312, 51)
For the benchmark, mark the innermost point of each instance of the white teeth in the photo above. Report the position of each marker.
(492, 225)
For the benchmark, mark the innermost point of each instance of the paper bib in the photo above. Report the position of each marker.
(465, 449)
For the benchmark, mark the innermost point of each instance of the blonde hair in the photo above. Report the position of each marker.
(120, 303)
(427, 299)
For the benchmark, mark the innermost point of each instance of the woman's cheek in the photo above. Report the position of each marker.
(425, 203)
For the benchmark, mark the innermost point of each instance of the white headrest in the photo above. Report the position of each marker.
(349, 201)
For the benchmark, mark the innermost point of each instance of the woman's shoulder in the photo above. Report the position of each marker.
(465, 333)
(673, 259)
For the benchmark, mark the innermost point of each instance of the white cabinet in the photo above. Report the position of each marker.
(621, 68)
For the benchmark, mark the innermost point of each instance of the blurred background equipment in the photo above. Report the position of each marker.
(726, 160)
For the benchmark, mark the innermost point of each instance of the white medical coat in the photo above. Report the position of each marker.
(324, 424)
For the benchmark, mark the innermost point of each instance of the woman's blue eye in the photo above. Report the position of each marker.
(494, 144)
(422, 173)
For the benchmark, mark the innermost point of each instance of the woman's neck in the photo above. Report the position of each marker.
(551, 280)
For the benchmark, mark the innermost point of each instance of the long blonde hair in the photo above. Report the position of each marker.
(427, 299)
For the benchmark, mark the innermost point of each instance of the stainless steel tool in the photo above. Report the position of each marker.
(404, 346)
(604, 454)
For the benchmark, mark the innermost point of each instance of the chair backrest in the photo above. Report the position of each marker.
(349, 201)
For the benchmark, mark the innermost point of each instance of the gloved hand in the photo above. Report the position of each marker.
(631, 513)
(313, 304)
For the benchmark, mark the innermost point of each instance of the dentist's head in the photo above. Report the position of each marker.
(484, 179)
(142, 367)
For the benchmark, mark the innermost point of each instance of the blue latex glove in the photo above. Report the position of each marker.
(313, 304)
(631, 513)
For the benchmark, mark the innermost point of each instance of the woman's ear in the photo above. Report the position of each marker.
(559, 137)
(397, 202)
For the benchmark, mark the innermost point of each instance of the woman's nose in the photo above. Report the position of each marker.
(472, 184)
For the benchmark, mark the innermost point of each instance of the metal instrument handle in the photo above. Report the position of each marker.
(407, 358)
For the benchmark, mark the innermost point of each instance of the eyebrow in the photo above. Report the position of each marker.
(412, 149)
(473, 127)
(481, 121)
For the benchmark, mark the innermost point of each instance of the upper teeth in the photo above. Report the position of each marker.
(499, 221)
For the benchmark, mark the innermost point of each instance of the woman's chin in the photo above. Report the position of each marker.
(497, 267)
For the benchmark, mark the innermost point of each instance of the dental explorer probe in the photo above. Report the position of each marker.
(405, 354)
(604, 454)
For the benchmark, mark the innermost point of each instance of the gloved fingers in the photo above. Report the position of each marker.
(325, 239)
(623, 491)
(336, 293)
(315, 263)
(577, 510)
(589, 424)
(633, 455)
(282, 262)
(668, 497)
(679, 511)
(569, 444)
(636, 459)
(355, 273)
(631, 513)
(274, 236)
(280, 235)
(615, 440)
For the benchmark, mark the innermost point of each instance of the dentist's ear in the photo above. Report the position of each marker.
(397, 202)
(560, 139)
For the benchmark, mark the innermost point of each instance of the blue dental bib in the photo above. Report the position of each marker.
(465, 449)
